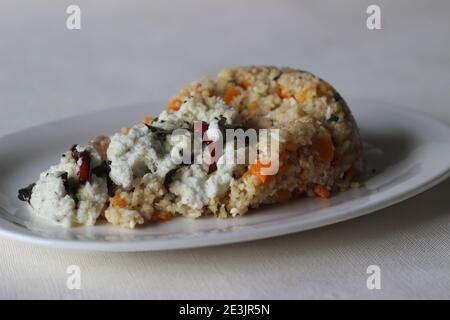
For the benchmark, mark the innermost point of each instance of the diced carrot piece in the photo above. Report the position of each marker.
(252, 107)
(266, 179)
(174, 104)
(246, 84)
(292, 146)
(230, 93)
(255, 168)
(147, 120)
(302, 96)
(163, 216)
(283, 93)
(323, 146)
(256, 171)
(247, 173)
(118, 202)
(322, 191)
(325, 89)
(125, 131)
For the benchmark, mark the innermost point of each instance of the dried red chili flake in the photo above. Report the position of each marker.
(84, 173)
(213, 166)
(201, 127)
(75, 153)
(204, 128)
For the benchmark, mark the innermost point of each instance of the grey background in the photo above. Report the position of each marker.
(133, 52)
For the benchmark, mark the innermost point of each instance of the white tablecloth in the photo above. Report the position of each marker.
(133, 52)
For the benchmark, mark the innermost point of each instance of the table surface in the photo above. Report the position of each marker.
(142, 51)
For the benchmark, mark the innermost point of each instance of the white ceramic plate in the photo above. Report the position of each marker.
(406, 153)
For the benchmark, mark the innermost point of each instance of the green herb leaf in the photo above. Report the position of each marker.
(159, 132)
(277, 76)
(333, 118)
(223, 125)
(25, 193)
(102, 170)
(169, 178)
(71, 186)
(217, 211)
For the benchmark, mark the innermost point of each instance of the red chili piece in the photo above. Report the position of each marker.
(204, 128)
(213, 166)
(84, 172)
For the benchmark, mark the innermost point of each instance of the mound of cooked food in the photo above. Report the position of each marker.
(254, 135)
